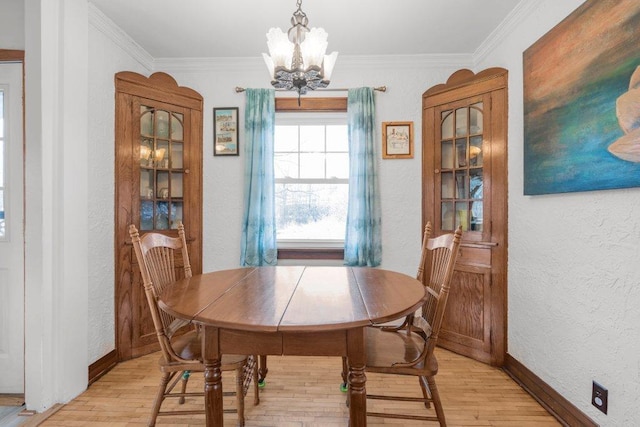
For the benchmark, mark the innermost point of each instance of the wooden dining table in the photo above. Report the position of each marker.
(290, 310)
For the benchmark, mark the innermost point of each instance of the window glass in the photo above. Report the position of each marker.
(311, 164)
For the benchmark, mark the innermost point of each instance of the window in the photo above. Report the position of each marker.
(311, 165)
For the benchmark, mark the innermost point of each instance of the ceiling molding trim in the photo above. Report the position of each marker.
(109, 28)
(345, 62)
(505, 29)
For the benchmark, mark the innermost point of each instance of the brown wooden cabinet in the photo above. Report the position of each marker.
(465, 184)
(158, 177)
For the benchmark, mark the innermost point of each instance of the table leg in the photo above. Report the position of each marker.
(357, 378)
(263, 368)
(212, 378)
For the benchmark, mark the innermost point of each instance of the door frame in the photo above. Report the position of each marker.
(17, 56)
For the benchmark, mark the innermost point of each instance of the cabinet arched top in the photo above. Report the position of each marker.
(468, 83)
(159, 87)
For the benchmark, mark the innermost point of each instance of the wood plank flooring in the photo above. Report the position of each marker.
(304, 392)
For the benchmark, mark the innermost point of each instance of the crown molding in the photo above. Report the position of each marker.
(505, 29)
(107, 27)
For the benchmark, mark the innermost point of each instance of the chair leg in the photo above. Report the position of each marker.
(185, 379)
(166, 377)
(426, 393)
(256, 385)
(436, 400)
(345, 371)
(240, 395)
(263, 370)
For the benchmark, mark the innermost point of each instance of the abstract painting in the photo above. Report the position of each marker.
(582, 101)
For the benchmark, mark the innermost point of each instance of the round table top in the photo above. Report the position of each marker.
(293, 298)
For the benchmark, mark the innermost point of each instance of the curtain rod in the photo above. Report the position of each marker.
(379, 89)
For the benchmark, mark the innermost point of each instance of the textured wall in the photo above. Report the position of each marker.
(105, 59)
(574, 262)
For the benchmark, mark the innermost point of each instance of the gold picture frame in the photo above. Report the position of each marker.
(397, 140)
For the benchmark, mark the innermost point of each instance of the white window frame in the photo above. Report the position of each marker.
(310, 118)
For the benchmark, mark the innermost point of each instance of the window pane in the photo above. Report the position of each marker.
(311, 211)
(338, 165)
(337, 138)
(312, 165)
(286, 138)
(311, 139)
(285, 165)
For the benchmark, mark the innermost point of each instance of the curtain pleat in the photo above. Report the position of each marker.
(362, 245)
(258, 246)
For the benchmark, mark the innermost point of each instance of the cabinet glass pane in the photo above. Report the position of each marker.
(475, 183)
(462, 189)
(146, 120)
(475, 118)
(176, 185)
(475, 150)
(161, 154)
(446, 185)
(146, 215)
(476, 216)
(447, 215)
(446, 129)
(177, 131)
(162, 185)
(446, 161)
(176, 214)
(461, 152)
(146, 148)
(162, 124)
(461, 122)
(462, 215)
(176, 155)
(162, 215)
(146, 184)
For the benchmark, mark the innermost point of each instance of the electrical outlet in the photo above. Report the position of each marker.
(600, 397)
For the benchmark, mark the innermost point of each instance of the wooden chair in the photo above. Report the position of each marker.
(181, 354)
(408, 320)
(410, 350)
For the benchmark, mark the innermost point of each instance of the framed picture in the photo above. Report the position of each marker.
(397, 140)
(225, 131)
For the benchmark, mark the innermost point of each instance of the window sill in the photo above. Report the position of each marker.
(310, 253)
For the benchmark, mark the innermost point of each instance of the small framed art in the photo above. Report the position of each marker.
(397, 140)
(225, 131)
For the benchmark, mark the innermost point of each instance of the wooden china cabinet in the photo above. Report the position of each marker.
(158, 178)
(465, 184)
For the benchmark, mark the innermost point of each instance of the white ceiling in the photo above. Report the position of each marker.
(237, 28)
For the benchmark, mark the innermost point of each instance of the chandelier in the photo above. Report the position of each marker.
(297, 60)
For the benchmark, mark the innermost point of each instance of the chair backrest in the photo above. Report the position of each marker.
(423, 252)
(155, 253)
(440, 258)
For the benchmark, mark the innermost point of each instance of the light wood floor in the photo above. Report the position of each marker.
(304, 391)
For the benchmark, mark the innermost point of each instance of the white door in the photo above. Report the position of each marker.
(11, 231)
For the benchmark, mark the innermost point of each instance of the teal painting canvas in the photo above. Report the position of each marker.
(582, 101)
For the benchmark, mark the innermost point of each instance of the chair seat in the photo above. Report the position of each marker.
(386, 349)
(189, 346)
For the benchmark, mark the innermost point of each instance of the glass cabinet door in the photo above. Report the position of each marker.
(161, 168)
(461, 167)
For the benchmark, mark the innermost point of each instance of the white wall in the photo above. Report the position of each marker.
(12, 24)
(106, 58)
(401, 193)
(574, 261)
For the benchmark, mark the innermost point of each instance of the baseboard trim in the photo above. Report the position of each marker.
(551, 400)
(101, 366)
